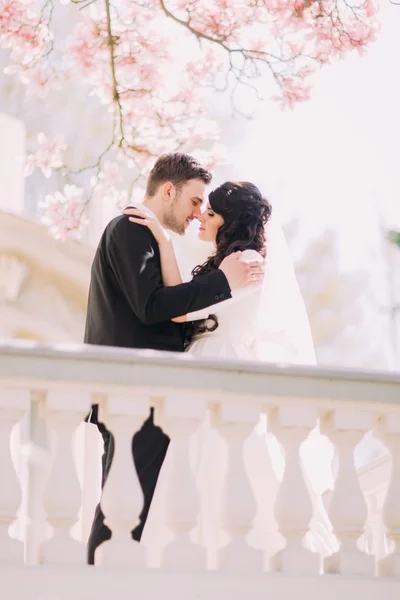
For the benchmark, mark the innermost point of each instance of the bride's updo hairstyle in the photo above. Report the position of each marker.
(245, 213)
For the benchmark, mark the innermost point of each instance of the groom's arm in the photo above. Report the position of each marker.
(133, 256)
(237, 296)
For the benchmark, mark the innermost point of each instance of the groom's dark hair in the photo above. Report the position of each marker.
(176, 168)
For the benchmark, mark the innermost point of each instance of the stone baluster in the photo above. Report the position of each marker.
(293, 508)
(179, 416)
(348, 509)
(388, 430)
(89, 449)
(13, 405)
(65, 410)
(235, 421)
(122, 497)
(35, 465)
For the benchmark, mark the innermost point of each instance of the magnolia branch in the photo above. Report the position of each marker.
(253, 56)
(200, 35)
(118, 136)
(284, 67)
(111, 46)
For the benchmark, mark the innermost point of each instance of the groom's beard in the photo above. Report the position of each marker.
(172, 222)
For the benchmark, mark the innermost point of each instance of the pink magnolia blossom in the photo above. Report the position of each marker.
(115, 197)
(27, 35)
(49, 156)
(130, 62)
(109, 176)
(64, 213)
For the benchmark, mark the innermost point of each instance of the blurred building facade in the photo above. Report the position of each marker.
(43, 284)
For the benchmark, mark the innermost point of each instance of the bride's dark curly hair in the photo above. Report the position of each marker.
(245, 213)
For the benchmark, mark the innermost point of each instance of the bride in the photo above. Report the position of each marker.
(261, 322)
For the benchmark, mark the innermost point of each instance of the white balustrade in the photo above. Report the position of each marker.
(14, 404)
(88, 451)
(265, 475)
(348, 509)
(293, 509)
(35, 464)
(66, 409)
(122, 497)
(235, 422)
(388, 429)
(56, 391)
(179, 416)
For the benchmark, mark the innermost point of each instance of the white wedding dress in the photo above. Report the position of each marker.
(235, 338)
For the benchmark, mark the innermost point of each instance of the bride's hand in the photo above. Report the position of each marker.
(148, 220)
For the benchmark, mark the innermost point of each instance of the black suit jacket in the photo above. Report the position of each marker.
(128, 304)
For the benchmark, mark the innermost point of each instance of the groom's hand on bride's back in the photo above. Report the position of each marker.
(240, 273)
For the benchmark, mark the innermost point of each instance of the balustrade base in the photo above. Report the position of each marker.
(293, 561)
(63, 550)
(86, 582)
(350, 563)
(11, 550)
(183, 553)
(238, 556)
(120, 551)
(389, 566)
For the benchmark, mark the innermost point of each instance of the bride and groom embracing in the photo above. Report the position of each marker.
(243, 302)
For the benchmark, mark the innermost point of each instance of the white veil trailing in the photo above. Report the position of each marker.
(284, 328)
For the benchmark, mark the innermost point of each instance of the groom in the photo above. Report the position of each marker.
(129, 306)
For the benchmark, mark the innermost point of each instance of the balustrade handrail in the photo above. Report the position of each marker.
(105, 367)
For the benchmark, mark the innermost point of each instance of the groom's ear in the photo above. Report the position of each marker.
(169, 191)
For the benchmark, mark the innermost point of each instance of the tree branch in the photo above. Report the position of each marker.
(111, 46)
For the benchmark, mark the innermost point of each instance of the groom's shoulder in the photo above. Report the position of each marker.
(119, 225)
(116, 223)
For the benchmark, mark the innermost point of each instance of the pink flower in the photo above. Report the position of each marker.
(27, 35)
(113, 196)
(64, 213)
(49, 156)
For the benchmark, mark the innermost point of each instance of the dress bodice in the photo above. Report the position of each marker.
(238, 319)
